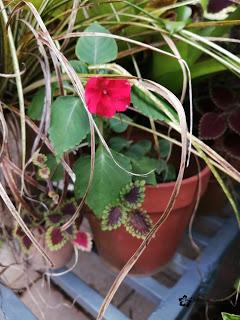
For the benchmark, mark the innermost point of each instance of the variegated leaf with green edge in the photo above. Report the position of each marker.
(55, 238)
(69, 124)
(108, 179)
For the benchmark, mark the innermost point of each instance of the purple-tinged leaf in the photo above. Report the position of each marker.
(55, 238)
(138, 223)
(232, 145)
(222, 97)
(234, 122)
(113, 216)
(132, 195)
(212, 126)
(204, 105)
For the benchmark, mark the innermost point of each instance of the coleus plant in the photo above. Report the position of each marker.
(49, 229)
(220, 115)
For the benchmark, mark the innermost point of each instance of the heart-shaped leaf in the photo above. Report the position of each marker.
(212, 126)
(108, 179)
(96, 49)
(69, 124)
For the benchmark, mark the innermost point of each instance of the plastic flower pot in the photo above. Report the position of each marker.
(117, 246)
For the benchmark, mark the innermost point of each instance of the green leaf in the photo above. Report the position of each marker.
(36, 107)
(56, 169)
(119, 144)
(117, 125)
(164, 146)
(174, 26)
(228, 316)
(144, 166)
(237, 285)
(139, 149)
(78, 66)
(183, 13)
(95, 49)
(145, 105)
(108, 179)
(69, 124)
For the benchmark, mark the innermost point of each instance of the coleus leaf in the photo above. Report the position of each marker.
(212, 126)
(55, 238)
(222, 97)
(83, 241)
(138, 223)
(69, 208)
(133, 194)
(204, 105)
(232, 145)
(234, 121)
(113, 216)
(24, 241)
(54, 218)
(71, 232)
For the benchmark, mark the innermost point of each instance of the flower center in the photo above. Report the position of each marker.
(105, 92)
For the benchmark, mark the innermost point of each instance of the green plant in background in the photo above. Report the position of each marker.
(228, 316)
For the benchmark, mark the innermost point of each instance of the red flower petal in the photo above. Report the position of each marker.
(234, 121)
(212, 126)
(105, 96)
(83, 241)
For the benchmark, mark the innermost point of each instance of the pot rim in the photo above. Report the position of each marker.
(205, 171)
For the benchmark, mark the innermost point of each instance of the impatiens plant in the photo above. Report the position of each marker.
(220, 120)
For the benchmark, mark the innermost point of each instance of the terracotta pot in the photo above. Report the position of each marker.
(117, 246)
(59, 258)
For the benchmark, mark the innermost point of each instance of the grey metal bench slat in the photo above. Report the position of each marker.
(85, 296)
(11, 307)
(198, 274)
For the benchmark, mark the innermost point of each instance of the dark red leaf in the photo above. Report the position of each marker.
(223, 97)
(56, 236)
(215, 6)
(234, 121)
(232, 145)
(27, 243)
(212, 126)
(204, 105)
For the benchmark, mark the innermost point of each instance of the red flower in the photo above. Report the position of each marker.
(105, 96)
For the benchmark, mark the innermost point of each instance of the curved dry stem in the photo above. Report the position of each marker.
(169, 96)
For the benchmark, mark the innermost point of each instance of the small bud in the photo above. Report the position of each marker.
(54, 196)
(39, 159)
(44, 173)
